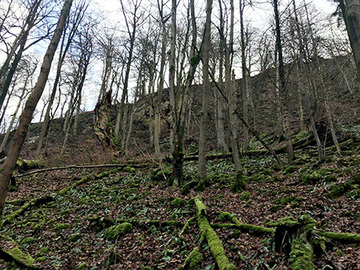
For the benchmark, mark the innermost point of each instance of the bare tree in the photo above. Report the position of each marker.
(282, 86)
(26, 116)
(205, 96)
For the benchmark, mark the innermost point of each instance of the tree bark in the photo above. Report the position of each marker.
(283, 91)
(30, 105)
(205, 96)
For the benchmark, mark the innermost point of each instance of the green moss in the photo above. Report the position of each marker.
(245, 196)
(342, 237)
(21, 257)
(41, 259)
(116, 231)
(177, 203)
(289, 170)
(61, 226)
(339, 253)
(301, 255)
(111, 259)
(213, 240)
(28, 240)
(161, 174)
(43, 251)
(224, 216)
(129, 169)
(310, 179)
(82, 266)
(194, 259)
(75, 237)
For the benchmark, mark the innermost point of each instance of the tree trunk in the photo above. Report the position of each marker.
(304, 91)
(351, 13)
(205, 97)
(283, 90)
(30, 105)
(4, 141)
(245, 75)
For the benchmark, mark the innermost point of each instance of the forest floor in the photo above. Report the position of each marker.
(74, 229)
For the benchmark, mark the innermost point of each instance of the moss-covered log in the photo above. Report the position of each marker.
(293, 237)
(209, 234)
(341, 237)
(236, 224)
(49, 198)
(193, 260)
(33, 202)
(252, 229)
(100, 223)
(9, 250)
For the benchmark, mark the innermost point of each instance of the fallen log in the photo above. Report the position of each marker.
(121, 166)
(100, 223)
(209, 234)
(10, 250)
(340, 237)
(51, 197)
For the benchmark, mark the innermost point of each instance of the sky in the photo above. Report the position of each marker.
(258, 17)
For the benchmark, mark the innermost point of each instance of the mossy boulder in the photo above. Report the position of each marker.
(116, 231)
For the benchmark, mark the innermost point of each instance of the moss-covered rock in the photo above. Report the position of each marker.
(116, 231)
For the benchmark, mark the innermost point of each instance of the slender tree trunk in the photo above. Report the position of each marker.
(4, 141)
(26, 116)
(351, 13)
(205, 97)
(245, 76)
(219, 109)
(157, 124)
(283, 90)
(304, 91)
(6, 80)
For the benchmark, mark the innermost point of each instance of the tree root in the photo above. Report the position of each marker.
(213, 240)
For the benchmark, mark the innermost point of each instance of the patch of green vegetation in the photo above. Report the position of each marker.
(21, 257)
(82, 266)
(289, 170)
(28, 240)
(301, 255)
(340, 189)
(224, 216)
(177, 203)
(41, 259)
(194, 259)
(116, 231)
(339, 252)
(61, 226)
(245, 196)
(310, 179)
(75, 237)
(161, 174)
